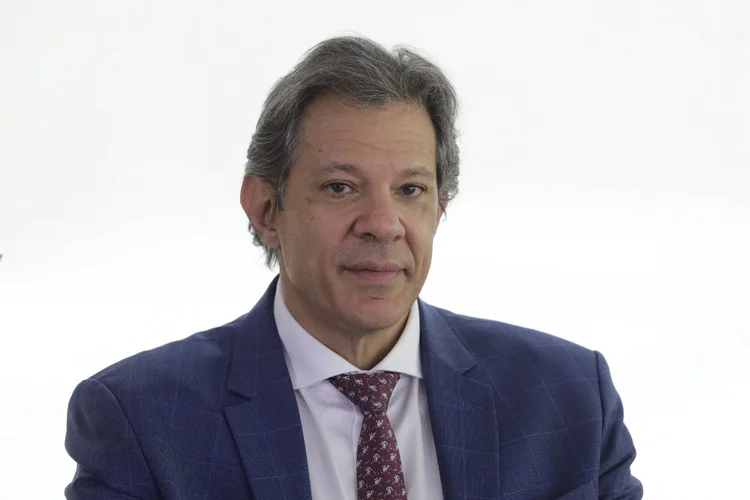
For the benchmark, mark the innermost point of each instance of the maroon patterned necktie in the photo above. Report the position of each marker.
(379, 474)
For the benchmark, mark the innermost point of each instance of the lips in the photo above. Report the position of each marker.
(375, 271)
(377, 267)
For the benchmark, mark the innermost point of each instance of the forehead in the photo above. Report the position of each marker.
(396, 133)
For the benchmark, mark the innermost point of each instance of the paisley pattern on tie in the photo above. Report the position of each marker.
(379, 474)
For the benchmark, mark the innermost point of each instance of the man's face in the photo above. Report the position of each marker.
(361, 210)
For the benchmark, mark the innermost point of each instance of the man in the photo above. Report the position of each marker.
(340, 383)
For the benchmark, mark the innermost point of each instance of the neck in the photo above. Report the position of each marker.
(363, 349)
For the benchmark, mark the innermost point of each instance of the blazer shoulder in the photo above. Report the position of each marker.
(199, 358)
(496, 342)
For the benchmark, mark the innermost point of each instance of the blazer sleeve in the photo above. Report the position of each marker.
(110, 463)
(617, 450)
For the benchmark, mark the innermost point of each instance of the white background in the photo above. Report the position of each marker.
(605, 197)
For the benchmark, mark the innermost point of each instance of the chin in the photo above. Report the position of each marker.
(377, 314)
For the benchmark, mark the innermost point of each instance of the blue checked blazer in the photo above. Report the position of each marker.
(516, 414)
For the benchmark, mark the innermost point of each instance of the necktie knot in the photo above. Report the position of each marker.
(370, 392)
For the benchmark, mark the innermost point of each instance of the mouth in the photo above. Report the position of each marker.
(375, 272)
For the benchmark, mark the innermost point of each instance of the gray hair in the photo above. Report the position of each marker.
(363, 72)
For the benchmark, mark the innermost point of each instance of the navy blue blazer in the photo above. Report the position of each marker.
(516, 414)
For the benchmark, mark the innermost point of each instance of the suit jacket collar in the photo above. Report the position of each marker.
(460, 397)
(440, 342)
(262, 409)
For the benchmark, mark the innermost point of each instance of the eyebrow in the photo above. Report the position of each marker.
(351, 168)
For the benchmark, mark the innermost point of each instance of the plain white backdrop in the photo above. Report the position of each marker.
(605, 197)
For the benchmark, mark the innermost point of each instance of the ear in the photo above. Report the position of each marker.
(259, 203)
(442, 206)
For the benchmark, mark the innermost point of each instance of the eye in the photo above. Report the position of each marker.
(337, 188)
(412, 190)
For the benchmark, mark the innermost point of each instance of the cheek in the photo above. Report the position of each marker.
(420, 240)
(313, 236)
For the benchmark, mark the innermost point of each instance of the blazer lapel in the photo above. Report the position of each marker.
(262, 410)
(462, 412)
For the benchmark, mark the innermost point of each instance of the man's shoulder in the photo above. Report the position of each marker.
(501, 345)
(201, 358)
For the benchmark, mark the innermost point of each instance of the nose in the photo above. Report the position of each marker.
(379, 219)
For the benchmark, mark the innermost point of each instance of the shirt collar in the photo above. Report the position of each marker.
(310, 362)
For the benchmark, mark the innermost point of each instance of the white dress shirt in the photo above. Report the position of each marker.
(331, 423)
